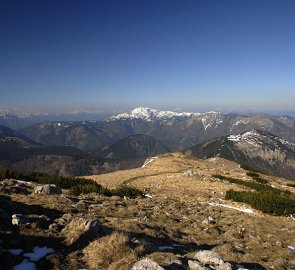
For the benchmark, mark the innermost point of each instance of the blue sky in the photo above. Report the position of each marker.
(115, 55)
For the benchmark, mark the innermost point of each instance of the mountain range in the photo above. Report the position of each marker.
(178, 131)
(145, 132)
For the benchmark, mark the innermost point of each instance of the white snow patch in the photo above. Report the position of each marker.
(148, 196)
(244, 210)
(177, 245)
(24, 182)
(38, 253)
(15, 252)
(25, 265)
(212, 159)
(162, 248)
(148, 161)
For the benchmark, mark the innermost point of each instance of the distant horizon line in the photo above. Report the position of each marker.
(47, 112)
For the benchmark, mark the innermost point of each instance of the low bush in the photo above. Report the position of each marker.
(249, 184)
(260, 180)
(76, 185)
(126, 191)
(267, 201)
(111, 252)
(248, 168)
(252, 174)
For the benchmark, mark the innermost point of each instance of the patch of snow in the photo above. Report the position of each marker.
(15, 252)
(292, 249)
(25, 265)
(38, 253)
(148, 196)
(177, 245)
(212, 159)
(24, 182)
(244, 210)
(162, 248)
(285, 142)
(250, 137)
(148, 161)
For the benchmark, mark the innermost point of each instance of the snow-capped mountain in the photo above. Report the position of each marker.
(149, 114)
(177, 130)
(258, 149)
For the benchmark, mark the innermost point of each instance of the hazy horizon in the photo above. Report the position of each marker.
(113, 56)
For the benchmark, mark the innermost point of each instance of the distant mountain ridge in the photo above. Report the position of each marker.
(178, 131)
(22, 120)
(258, 149)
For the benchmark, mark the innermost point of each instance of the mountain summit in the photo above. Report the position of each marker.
(149, 114)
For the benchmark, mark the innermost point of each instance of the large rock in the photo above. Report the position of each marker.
(208, 257)
(12, 186)
(49, 189)
(194, 265)
(18, 219)
(224, 266)
(146, 264)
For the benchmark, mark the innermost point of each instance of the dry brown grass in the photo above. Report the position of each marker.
(111, 252)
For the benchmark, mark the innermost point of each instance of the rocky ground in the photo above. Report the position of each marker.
(182, 222)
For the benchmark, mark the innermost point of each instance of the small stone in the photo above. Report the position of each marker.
(224, 266)
(18, 219)
(195, 265)
(208, 257)
(146, 264)
(92, 225)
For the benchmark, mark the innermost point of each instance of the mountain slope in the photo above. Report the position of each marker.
(12, 137)
(137, 146)
(12, 121)
(86, 136)
(258, 149)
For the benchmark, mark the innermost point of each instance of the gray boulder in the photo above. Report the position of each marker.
(49, 189)
(92, 225)
(208, 257)
(224, 266)
(146, 264)
(18, 219)
(195, 265)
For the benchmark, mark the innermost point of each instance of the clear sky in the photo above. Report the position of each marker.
(188, 54)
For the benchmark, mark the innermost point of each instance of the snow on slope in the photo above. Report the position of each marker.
(149, 114)
(259, 138)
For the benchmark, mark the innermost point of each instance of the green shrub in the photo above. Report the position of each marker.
(267, 201)
(76, 185)
(248, 168)
(252, 174)
(130, 192)
(260, 180)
